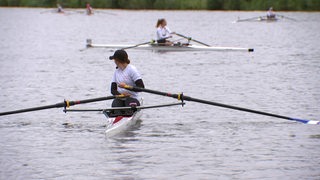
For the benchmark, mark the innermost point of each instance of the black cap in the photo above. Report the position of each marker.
(120, 55)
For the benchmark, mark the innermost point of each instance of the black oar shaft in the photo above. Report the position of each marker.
(189, 38)
(187, 98)
(234, 107)
(149, 42)
(33, 109)
(71, 103)
(59, 105)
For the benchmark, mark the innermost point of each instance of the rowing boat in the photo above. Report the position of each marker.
(118, 124)
(176, 47)
(258, 19)
(120, 119)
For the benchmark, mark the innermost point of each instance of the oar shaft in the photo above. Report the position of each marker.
(71, 103)
(149, 42)
(187, 98)
(64, 104)
(32, 109)
(189, 38)
(233, 107)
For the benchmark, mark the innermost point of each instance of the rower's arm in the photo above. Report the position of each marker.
(114, 89)
(139, 83)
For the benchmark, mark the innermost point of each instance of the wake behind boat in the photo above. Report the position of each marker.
(159, 47)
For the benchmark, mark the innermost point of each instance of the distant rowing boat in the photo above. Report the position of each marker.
(158, 47)
(275, 18)
(258, 19)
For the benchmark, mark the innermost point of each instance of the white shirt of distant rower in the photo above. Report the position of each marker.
(270, 13)
(128, 76)
(163, 32)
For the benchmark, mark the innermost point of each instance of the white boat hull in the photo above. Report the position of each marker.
(169, 48)
(120, 124)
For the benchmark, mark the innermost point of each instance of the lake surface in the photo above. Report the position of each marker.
(41, 63)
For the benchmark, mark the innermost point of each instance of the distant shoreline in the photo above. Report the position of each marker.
(29, 7)
(215, 5)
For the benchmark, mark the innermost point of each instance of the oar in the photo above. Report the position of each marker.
(64, 104)
(187, 98)
(124, 108)
(292, 19)
(189, 38)
(149, 42)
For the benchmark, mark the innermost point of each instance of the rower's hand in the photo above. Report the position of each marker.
(122, 85)
(173, 33)
(125, 94)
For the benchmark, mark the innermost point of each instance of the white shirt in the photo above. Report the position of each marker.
(270, 14)
(163, 32)
(129, 76)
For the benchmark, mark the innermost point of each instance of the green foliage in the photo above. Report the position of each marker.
(293, 5)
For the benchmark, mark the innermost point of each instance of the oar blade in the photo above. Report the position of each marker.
(305, 121)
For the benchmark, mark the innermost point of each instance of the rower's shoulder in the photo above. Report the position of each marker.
(131, 67)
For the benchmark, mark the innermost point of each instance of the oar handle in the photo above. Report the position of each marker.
(72, 103)
(134, 88)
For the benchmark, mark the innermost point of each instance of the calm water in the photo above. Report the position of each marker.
(41, 64)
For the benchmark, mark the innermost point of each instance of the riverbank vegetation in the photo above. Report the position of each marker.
(279, 5)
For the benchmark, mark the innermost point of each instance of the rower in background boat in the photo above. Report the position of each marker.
(270, 14)
(163, 33)
(89, 9)
(125, 73)
(60, 10)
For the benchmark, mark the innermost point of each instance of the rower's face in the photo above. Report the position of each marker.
(116, 62)
(164, 23)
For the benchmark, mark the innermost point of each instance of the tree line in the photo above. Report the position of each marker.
(279, 5)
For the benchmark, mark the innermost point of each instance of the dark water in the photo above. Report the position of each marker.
(41, 64)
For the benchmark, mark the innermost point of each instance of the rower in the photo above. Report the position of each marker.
(60, 10)
(163, 33)
(125, 74)
(271, 14)
(89, 9)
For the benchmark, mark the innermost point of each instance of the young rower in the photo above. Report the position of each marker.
(89, 9)
(271, 14)
(125, 74)
(60, 10)
(163, 33)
